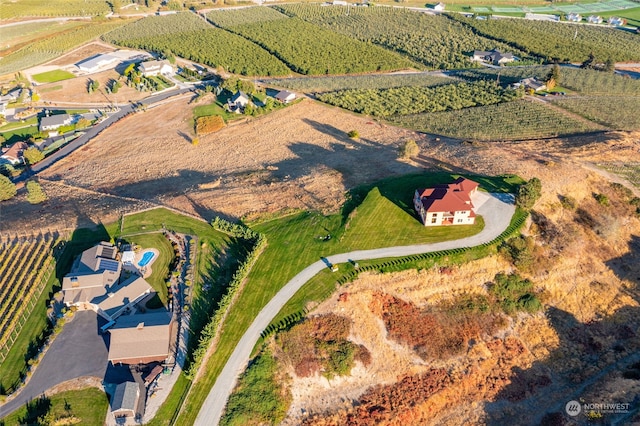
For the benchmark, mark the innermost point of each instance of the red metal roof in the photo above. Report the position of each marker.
(449, 197)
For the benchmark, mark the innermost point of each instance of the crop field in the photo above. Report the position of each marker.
(16, 36)
(588, 82)
(518, 120)
(414, 100)
(27, 268)
(305, 47)
(615, 112)
(25, 265)
(48, 48)
(22, 8)
(190, 37)
(328, 84)
(434, 41)
(551, 40)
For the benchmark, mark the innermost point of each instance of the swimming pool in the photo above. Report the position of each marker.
(147, 257)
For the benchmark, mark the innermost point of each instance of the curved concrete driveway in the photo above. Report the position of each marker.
(497, 210)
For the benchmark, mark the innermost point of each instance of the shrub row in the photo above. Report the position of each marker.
(284, 324)
(211, 329)
(235, 229)
(401, 263)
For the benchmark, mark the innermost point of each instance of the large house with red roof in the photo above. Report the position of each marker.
(446, 204)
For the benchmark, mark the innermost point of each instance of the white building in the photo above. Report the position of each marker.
(97, 62)
(152, 68)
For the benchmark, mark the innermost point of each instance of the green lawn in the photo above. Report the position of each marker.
(160, 267)
(52, 76)
(89, 406)
(294, 242)
(19, 134)
(214, 108)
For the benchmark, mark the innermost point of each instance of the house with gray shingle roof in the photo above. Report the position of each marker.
(53, 122)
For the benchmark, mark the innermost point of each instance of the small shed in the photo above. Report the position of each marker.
(285, 96)
(125, 399)
(439, 7)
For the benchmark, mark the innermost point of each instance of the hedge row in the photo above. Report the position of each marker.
(234, 229)
(211, 329)
(285, 323)
(397, 263)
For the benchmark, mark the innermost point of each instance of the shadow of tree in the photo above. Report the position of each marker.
(37, 411)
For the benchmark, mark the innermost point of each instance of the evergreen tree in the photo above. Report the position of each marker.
(7, 188)
(35, 193)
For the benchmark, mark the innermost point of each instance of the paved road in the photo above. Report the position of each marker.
(497, 210)
(77, 351)
(95, 130)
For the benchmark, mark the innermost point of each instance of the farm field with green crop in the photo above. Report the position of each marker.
(304, 47)
(516, 120)
(189, 36)
(27, 269)
(615, 112)
(434, 41)
(38, 8)
(414, 100)
(555, 41)
(328, 84)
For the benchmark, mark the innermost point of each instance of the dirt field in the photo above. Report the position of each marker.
(298, 157)
(81, 53)
(75, 90)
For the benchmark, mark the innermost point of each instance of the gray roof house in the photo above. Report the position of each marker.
(53, 122)
(125, 399)
(493, 56)
(94, 283)
(140, 338)
(532, 83)
(285, 96)
(238, 101)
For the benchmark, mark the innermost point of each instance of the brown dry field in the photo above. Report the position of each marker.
(296, 158)
(82, 52)
(74, 90)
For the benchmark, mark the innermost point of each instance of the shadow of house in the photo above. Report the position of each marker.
(589, 354)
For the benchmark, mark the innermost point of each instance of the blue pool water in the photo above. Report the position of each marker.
(146, 258)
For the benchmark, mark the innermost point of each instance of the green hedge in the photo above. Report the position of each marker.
(209, 331)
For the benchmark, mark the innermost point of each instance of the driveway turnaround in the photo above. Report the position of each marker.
(496, 209)
(77, 351)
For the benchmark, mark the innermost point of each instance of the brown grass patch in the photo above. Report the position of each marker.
(209, 124)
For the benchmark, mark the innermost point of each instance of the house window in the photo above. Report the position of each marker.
(459, 220)
(434, 215)
(434, 219)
